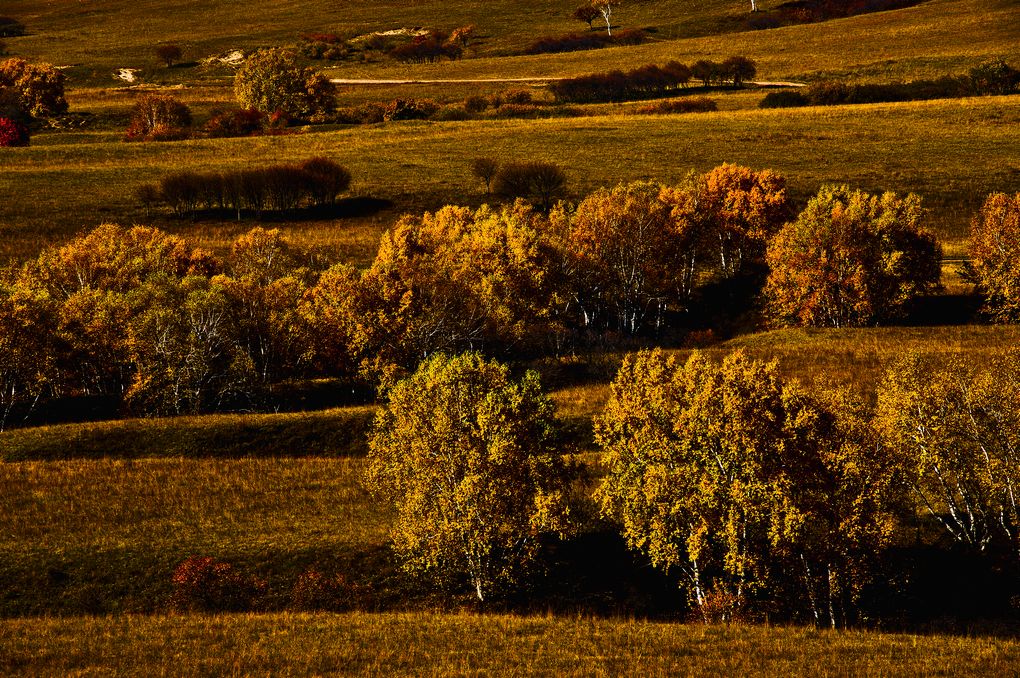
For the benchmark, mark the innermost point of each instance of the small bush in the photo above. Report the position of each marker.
(11, 27)
(13, 133)
(994, 77)
(476, 104)
(783, 99)
(157, 117)
(410, 109)
(577, 42)
(696, 105)
(452, 114)
(243, 122)
(513, 96)
(314, 590)
(205, 584)
(366, 114)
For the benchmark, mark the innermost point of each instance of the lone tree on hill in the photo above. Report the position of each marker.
(586, 14)
(169, 54)
(465, 452)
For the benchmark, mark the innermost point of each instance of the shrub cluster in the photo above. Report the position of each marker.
(242, 122)
(157, 117)
(314, 182)
(695, 105)
(428, 48)
(649, 81)
(576, 42)
(202, 583)
(994, 77)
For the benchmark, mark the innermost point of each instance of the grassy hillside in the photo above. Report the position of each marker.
(462, 644)
(939, 35)
(91, 536)
(952, 152)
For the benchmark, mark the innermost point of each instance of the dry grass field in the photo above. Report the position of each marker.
(466, 644)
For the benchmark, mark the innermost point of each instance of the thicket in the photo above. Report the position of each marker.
(315, 182)
(157, 117)
(651, 81)
(576, 42)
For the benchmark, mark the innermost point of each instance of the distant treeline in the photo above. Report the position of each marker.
(990, 78)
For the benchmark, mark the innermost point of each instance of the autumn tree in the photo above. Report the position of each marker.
(272, 80)
(485, 170)
(156, 116)
(540, 182)
(631, 255)
(851, 258)
(458, 280)
(586, 14)
(744, 208)
(605, 8)
(955, 429)
(995, 255)
(39, 87)
(737, 481)
(182, 350)
(169, 54)
(739, 69)
(465, 453)
(27, 317)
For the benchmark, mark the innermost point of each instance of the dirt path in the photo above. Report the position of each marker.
(360, 81)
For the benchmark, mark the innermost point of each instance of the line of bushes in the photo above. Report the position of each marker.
(577, 42)
(315, 182)
(651, 81)
(994, 77)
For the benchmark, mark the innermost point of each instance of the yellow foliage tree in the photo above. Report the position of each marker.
(466, 454)
(732, 478)
(956, 433)
(995, 255)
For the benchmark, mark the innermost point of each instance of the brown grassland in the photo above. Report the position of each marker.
(95, 516)
(426, 644)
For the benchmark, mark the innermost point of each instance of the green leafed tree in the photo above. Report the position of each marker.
(465, 453)
(272, 80)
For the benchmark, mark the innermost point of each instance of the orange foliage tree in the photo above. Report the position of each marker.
(851, 258)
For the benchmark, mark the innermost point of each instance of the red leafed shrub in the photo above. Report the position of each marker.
(243, 122)
(12, 133)
(204, 583)
(314, 590)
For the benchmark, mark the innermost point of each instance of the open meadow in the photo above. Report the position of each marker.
(191, 482)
